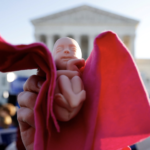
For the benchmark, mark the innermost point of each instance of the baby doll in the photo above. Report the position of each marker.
(69, 91)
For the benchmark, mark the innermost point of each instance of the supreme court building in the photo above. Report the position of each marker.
(83, 24)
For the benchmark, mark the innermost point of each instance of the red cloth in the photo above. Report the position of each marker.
(126, 148)
(116, 112)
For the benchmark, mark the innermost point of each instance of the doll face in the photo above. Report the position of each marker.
(64, 50)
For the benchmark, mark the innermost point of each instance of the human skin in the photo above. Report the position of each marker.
(25, 114)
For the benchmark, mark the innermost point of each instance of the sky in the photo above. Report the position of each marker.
(16, 16)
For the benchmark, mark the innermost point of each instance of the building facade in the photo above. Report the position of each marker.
(82, 23)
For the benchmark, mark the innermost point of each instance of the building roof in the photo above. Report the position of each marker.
(84, 14)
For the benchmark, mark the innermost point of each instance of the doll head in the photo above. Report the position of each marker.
(64, 50)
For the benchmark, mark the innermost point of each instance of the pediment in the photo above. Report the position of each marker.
(84, 15)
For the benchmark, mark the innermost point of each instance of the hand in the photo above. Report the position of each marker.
(25, 114)
(75, 64)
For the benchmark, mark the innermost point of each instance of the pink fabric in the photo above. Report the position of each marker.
(116, 112)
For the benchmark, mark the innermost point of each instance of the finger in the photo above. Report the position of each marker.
(33, 83)
(25, 117)
(27, 99)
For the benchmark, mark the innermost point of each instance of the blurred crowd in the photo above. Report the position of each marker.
(8, 117)
(8, 125)
(10, 138)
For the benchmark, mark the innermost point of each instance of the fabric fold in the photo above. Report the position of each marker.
(34, 56)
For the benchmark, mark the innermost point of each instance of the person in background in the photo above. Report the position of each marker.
(7, 111)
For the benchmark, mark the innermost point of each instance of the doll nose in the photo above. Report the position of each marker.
(66, 51)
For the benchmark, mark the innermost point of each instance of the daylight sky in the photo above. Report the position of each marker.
(16, 28)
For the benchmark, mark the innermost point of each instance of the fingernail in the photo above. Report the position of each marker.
(40, 83)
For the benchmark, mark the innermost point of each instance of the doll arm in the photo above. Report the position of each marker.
(75, 64)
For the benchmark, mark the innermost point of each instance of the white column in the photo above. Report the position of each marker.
(121, 37)
(50, 42)
(132, 40)
(78, 39)
(37, 37)
(91, 43)
(62, 35)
